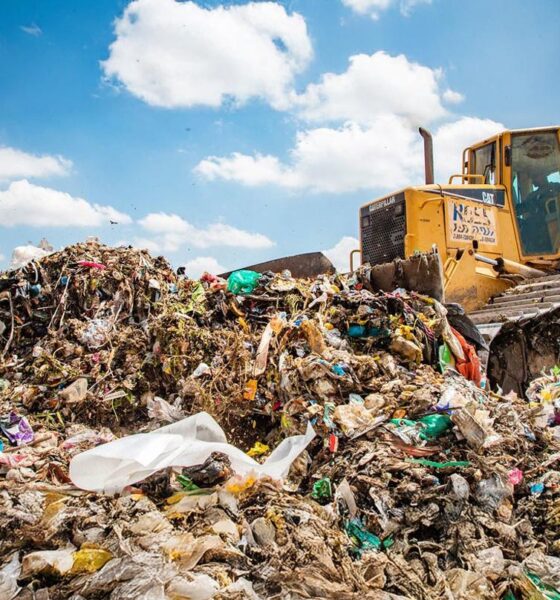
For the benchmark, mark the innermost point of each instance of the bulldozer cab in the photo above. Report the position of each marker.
(527, 164)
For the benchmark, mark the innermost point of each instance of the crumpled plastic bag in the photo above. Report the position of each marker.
(17, 429)
(200, 587)
(142, 575)
(57, 561)
(547, 568)
(491, 492)
(467, 584)
(490, 563)
(97, 333)
(243, 282)
(164, 412)
(64, 560)
(9, 574)
(353, 418)
(475, 425)
(111, 467)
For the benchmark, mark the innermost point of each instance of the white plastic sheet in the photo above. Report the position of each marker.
(111, 467)
(21, 255)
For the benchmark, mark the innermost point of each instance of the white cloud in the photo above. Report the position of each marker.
(345, 159)
(32, 29)
(339, 254)
(148, 244)
(165, 223)
(406, 6)
(197, 266)
(24, 203)
(178, 54)
(374, 85)
(16, 163)
(452, 138)
(386, 154)
(452, 97)
(373, 8)
(248, 170)
(378, 102)
(172, 232)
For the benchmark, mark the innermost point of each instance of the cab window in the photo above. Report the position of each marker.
(535, 173)
(484, 162)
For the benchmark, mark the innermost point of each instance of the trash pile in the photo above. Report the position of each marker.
(260, 437)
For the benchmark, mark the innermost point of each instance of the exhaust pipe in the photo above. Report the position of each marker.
(428, 154)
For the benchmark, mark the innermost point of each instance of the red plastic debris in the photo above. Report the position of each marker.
(91, 265)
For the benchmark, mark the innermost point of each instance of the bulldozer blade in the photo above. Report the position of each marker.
(422, 273)
(522, 349)
(305, 265)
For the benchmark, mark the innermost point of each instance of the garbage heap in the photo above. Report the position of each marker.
(417, 484)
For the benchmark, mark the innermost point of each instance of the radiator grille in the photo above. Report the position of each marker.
(383, 225)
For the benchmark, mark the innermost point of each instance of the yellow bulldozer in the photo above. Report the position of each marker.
(488, 240)
(495, 223)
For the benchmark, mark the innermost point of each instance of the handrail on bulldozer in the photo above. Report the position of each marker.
(352, 252)
(464, 176)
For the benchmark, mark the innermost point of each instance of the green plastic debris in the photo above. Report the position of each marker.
(187, 483)
(361, 537)
(547, 591)
(435, 425)
(408, 422)
(438, 465)
(243, 282)
(322, 490)
(388, 542)
(446, 358)
(432, 426)
(509, 596)
(328, 411)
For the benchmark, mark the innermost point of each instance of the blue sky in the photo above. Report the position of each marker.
(225, 133)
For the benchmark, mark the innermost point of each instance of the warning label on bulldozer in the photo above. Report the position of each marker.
(468, 222)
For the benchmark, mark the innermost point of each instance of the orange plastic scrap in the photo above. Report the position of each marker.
(470, 367)
(250, 390)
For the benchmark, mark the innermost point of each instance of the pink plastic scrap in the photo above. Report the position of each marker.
(515, 476)
(92, 265)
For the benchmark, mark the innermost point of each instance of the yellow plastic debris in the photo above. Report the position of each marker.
(237, 485)
(90, 560)
(177, 497)
(285, 421)
(258, 449)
